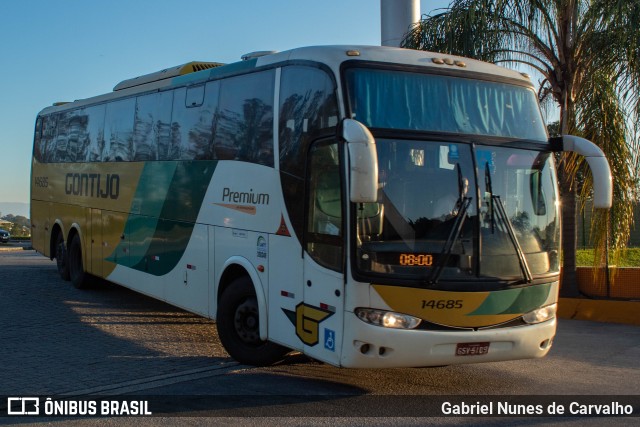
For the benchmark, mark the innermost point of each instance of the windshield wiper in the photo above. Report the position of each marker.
(453, 236)
(496, 204)
(463, 204)
(502, 214)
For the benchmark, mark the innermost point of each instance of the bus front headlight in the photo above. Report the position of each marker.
(541, 314)
(387, 319)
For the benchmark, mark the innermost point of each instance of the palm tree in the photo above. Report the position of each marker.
(587, 53)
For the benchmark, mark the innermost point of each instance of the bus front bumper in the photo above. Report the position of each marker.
(369, 346)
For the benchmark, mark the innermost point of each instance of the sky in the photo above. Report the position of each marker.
(62, 50)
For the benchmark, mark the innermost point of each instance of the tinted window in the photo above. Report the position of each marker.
(244, 128)
(324, 219)
(307, 104)
(37, 140)
(406, 100)
(77, 137)
(49, 130)
(72, 136)
(192, 127)
(70, 141)
(118, 132)
(93, 133)
(152, 126)
(171, 125)
(58, 147)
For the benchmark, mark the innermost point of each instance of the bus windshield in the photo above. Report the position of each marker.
(425, 197)
(399, 100)
(437, 218)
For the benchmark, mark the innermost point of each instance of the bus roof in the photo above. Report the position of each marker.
(331, 56)
(335, 55)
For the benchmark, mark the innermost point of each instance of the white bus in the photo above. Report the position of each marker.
(366, 206)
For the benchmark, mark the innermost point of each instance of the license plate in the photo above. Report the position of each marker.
(472, 348)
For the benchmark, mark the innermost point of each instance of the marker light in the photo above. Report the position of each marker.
(387, 319)
(541, 314)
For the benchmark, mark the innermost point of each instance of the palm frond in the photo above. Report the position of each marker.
(602, 119)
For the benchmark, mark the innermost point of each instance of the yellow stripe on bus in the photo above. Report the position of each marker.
(444, 307)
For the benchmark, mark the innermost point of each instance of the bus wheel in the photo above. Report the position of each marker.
(76, 270)
(61, 258)
(238, 328)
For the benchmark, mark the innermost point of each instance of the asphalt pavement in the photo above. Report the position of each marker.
(108, 341)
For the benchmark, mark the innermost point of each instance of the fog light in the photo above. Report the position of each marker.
(545, 344)
(541, 314)
(387, 319)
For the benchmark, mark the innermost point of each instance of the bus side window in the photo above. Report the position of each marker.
(59, 148)
(49, 129)
(77, 138)
(244, 119)
(152, 126)
(193, 115)
(38, 149)
(307, 104)
(324, 226)
(94, 132)
(118, 130)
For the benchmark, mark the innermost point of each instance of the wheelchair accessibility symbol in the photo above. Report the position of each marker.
(329, 339)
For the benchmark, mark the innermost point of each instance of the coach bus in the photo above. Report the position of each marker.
(366, 206)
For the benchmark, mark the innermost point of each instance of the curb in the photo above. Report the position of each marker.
(12, 248)
(627, 312)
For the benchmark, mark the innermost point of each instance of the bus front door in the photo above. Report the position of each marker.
(319, 319)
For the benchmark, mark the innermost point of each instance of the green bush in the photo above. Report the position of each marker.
(630, 258)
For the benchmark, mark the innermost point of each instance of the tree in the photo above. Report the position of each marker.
(587, 53)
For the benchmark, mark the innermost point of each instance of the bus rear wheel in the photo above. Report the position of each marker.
(61, 258)
(238, 326)
(76, 269)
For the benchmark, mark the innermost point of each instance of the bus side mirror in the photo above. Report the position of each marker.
(363, 162)
(602, 183)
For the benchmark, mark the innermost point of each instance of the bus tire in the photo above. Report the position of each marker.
(76, 269)
(238, 328)
(62, 261)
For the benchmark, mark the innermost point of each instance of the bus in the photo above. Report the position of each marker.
(366, 206)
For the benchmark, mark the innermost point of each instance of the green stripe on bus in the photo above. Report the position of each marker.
(163, 214)
(513, 301)
(146, 207)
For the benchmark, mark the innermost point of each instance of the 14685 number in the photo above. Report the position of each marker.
(442, 304)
